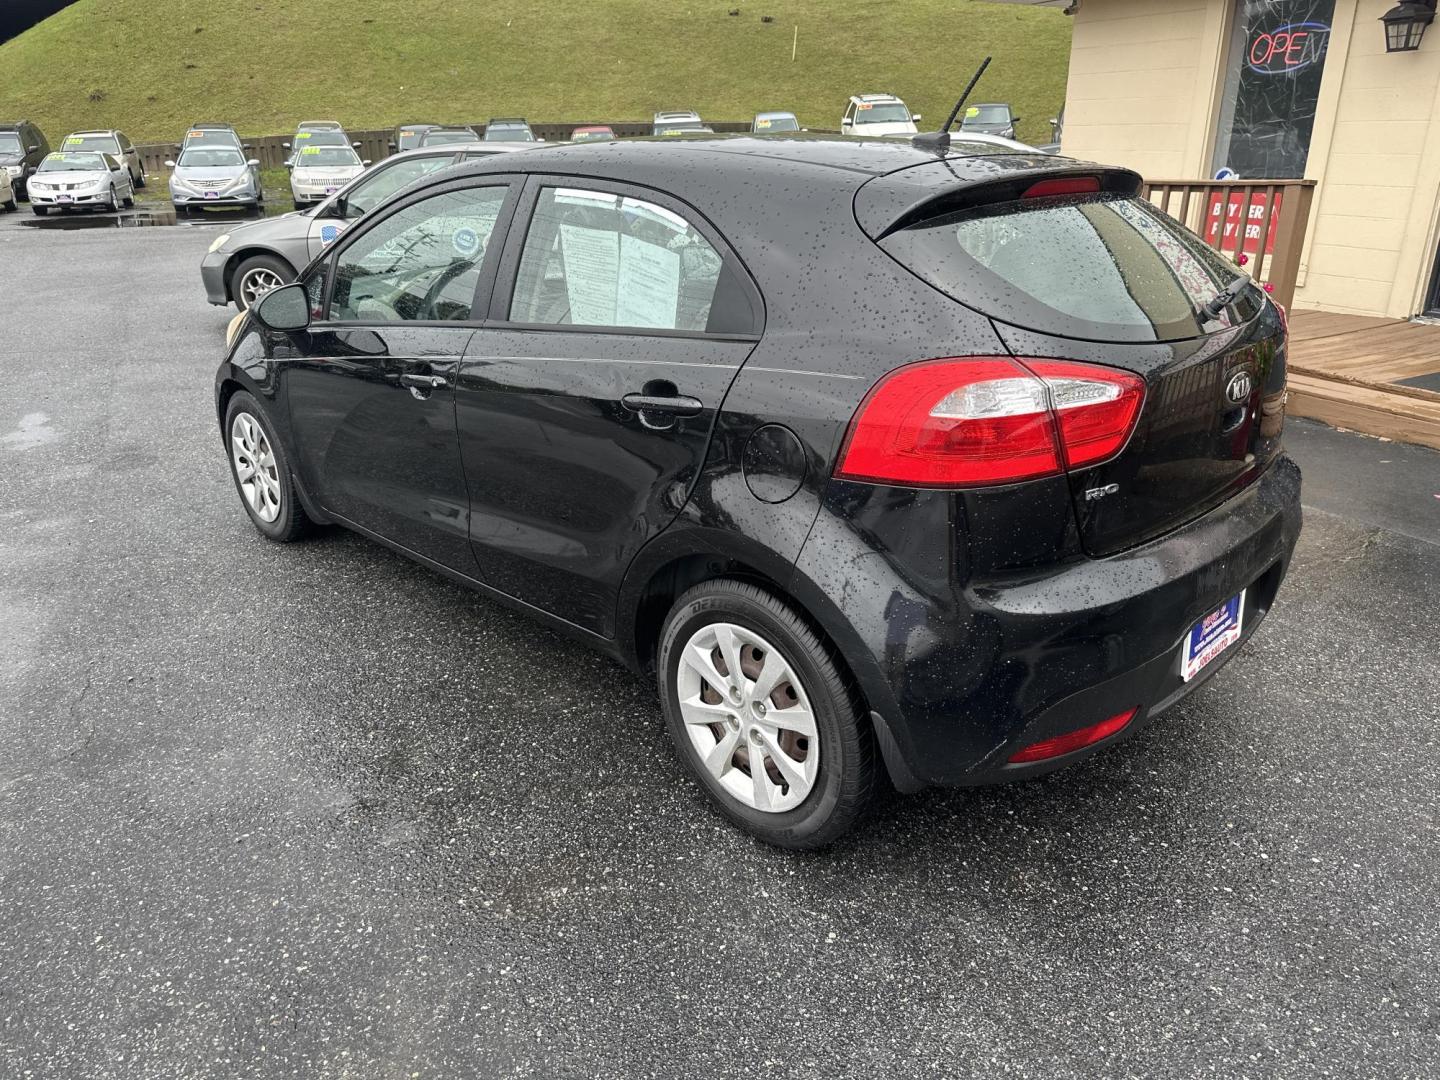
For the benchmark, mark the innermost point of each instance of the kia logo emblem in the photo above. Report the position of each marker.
(1237, 390)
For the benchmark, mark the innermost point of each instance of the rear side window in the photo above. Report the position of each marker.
(596, 258)
(1106, 269)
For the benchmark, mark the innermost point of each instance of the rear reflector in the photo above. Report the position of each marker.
(1065, 185)
(981, 420)
(1075, 740)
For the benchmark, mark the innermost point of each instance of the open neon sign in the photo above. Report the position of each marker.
(1289, 48)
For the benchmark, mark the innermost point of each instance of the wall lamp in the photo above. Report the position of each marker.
(1405, 24)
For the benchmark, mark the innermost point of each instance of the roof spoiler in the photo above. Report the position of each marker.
(899, 199)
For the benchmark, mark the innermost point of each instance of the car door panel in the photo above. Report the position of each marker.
(582, 442)
(371, 393)
(566, 482)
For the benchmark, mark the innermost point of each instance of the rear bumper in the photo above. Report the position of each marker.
(960, 682)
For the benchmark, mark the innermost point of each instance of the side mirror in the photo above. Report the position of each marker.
(393, 148)
(285, 309)
(844, 123)
(253, 162)
(356, 144)
(31, 149)
(286, 145)
(365, 161)
(169, 164)
(247, 146)
(1014, 120)
(915, 117)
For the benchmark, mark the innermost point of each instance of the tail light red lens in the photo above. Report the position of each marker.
(1064, 185)
(982, 420)
(1074, 740)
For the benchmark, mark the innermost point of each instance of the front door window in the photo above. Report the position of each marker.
(1272, 84)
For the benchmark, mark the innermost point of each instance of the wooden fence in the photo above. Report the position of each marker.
(270, 150)
(1258, 223)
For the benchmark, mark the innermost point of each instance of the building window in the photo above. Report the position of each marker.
(1272, 83)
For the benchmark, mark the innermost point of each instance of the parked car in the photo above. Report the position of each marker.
(7, 192)
(508, 129)
(109, 142)
(209, 174)
(449, 136)
(316, 136)
(84, 180)
(769, 123)
(208, 134)
(320, 170)
(993, 118)
(593, 133)
(875, 115)
(834, 555)
(677, 123)
(407, 136)
(250, 259)
(23, 147)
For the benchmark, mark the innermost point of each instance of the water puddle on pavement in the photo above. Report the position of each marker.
(145, 218)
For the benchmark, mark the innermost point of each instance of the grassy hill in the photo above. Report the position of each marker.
(150, 67)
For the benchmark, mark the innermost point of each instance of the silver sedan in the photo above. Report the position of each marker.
(67, 181)
(214, 176)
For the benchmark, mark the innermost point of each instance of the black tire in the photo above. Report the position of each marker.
(40, 211)
(272, 263)
(11, 206)
(129, 202)
(846, 778)
(291, 523)
(139, 181)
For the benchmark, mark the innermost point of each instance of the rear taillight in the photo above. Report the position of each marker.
(1074, 740)
(1063, 185)
(1284, 316)
(974, 421)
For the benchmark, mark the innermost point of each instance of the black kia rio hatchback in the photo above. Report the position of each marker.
(944, 468)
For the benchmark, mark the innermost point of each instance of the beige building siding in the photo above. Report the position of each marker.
(1143, 92)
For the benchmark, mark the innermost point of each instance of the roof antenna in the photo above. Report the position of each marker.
(939, 141)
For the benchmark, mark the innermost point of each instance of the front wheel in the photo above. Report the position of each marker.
(256, 276)
(129, 202)
(11, 206)
(261, 472)
(761, 712)
(40, 211)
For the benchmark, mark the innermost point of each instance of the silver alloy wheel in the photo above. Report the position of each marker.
(256, 283)
(748, 717)
(255, 467)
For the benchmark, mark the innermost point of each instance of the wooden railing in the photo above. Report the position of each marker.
(1260, 224)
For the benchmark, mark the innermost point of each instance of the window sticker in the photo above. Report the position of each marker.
(648, 285)
(864, 105)
(308, 150)
(972, 112)
(763, 123)
(302, 135)
(592, 264)
(466, 242)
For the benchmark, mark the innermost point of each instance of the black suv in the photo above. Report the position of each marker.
(22, 147)
(956, 466)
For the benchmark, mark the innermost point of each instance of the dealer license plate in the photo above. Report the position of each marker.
(212, 194)
(64, 198)
(1211, 636)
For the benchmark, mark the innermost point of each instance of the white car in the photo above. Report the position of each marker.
(876, 115)
(66, 181)
(7, 191)
(320, 171)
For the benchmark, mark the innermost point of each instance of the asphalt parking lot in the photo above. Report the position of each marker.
(314, 811)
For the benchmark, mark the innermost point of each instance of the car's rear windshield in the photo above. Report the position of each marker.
(68, 162)
(106, 144)
(508, 133)
(210, 157)
(441, 138)
(881, 114)
(321, 138)
(986, 114)
(1099, 268)
(326, 157)
(10, 143)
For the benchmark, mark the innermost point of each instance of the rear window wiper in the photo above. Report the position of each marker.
(1224, 298)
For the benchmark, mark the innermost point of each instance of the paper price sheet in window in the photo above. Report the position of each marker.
(613, 279)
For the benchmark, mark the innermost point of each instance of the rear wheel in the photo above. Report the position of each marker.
(256, 276)
(11, 206)
(138, 181)
(261, 471)
(129, 201)
(759, 709)
(40, 211)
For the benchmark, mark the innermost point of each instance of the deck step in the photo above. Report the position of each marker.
(1400, 413)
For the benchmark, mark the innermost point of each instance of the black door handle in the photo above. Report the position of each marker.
(429, 382)
(674, 404)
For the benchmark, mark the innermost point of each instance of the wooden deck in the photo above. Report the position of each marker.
(1344, 371)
